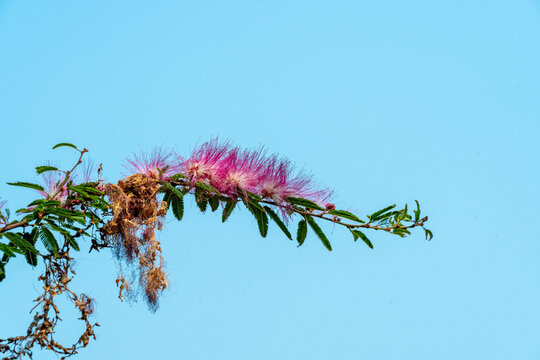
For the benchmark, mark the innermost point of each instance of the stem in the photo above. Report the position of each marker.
(66, 178)
(14, 225)
(321, 215)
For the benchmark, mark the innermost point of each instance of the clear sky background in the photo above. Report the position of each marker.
(385, 101)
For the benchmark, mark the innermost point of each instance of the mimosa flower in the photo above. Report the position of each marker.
(241, 169)
(205, 162)
(52, 189)
(88, 171)
(153, 163)
(280, 181)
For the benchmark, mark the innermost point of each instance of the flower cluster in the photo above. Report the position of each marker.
(158, 164)
(230, 169)
(54, 190)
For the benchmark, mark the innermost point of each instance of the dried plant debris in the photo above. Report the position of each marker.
(56, 278)
(137, 214)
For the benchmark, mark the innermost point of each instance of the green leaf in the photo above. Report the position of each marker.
(386, 217)
(74, 228)
(401, 232)
(48, 240)
(177, 176)
(304, 202)
(42, 169)
(253, 196)
(66, 214)
(177, 204)
(255, 204)
(262, 221)
(403, 215)
(345, 214)
(79, 191)
(99, 203)
(55, 227)
(174, 190)
(358, 234)
(28, 185)
(64, 144)
(6, 249)
(202, 204)
(214, 203)
(45, 203)
(21, 243)
(278, 221)
(318, 231)
(200, 199)
(375, 216)
(34, 235)
(417, 212)
(301, 233)
(2, 271)
(428, 234)
(229, 207)
(88, 189)
(206, 187)
(73, 243)
(31, 258)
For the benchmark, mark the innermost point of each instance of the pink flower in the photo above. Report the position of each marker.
(152, 163)
(52, 180)
(281, 181)
(322, 197)
(87, 170)
(229, 169)
(205, 162)
(241, 169)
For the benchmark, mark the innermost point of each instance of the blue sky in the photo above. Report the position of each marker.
(386, 102)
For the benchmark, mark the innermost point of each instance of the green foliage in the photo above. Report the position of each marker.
(42, 169)
(174, 190)
(378, 215)
(308, 204)
(417, 211)
(262, 221)
(48, 240)
(229, 207)
(21, 243)
(177, 204)
(318, 231)
(201, 200)
(345, 214)
(278, 221)
(301, 233)
(214, 203)
(27, 185)
(358, 234)
(259, 213)
(64, 144)
(72, 242)
(207, 187)
(7, 250)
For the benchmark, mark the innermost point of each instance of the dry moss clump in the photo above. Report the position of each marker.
(131, 233)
